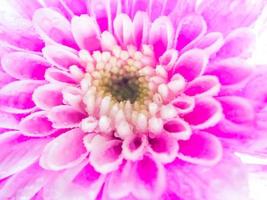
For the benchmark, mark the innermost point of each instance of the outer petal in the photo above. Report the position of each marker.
(65, 151)
(26, 9)
(59, 77)
(22, 65)
(9, 121)
(202, 148)
(18, 152)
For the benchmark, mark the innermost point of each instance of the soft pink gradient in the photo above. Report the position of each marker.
(55, 141)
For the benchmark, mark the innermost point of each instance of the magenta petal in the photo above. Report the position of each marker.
(237, 109)
(149, 177)
(18, 152)
(231, 71)
(53, 27)
(177, 128)
(86, 32)
(190, 29)
(65, 151)
(48, 96)
(238, 43)
(99, 11)
(36, 125)
(184, 104)
(22, 65)
(8, 121)
(123, 29)
(202, 148)
(203, 86)
(206, 113)
(191, 64)
(59, 77)
(161, 35)
(16, 97)
(65, 116)
(5, 79)
(139, 6)
(60, 57)
(134, 147)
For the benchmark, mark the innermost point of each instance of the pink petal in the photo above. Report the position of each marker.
(18, 152)
(65, 151)
(231, 71)
(123, 29)
(53, 27)
(202, 148)
(190, 29)
(203, 86)
(78, 7)
(141, 25)
(98, 9)
(133, 147)
(5, 79)
(207, 112)
(36, 125)
(161, 35)
(237, 109)
(164, 148)
(18, 185)
(16, 97)
(191, 64)
(48, 96)
(106, 155)
(155, 8)
(149, 179)
(26, 9)
(9, 121)
(169, 58)
(238, 43)
(60, 57)
(177, 128)
(139, 6)
(183, 104)
(65, 116)
(108, 41)
(14, 64)
(86, 32)
(59, 77)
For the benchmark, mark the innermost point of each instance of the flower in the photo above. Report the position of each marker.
(129, 100)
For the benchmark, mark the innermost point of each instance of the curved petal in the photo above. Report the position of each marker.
(60, 57)
(65, 116)
(183, 104)
(8, 120)
(123, 29)
(22, 65)
(53, 27)
(191, 64)
(26, 9)
(161, 35)
(164, 148)
(36, 125)
(190, 29)
(133, 147)
(59, 77)
(202, 148)
(5, 79)
(206, 113)
(86, 32)
(18, 152)
(203, 86)
(65, 151)
(177, 128)
(149, 179)
(16, 97)
(48, 96)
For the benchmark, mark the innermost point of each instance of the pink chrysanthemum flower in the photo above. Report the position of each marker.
(129, 99)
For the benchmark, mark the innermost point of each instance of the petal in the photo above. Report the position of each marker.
(53, 27)
(190, 29)
(169, 58)
(65, 116)
(206, 113)
(14, 64)
(238, 43)
(65, 151)
(48, 96)
(203, 86)
(78, 7)
(139, 6)
(183, 104)
(164, 148)
(123, 29)
(9, 121)
(202, 148)
(108, 41)
(231, 71)
(5, 79)
(161, 35)
(86, 32)
(59, 77)
(26, 9)
(177, 128)
(36, 125)
(106, 156)
(98, 9)
(16, 97)
(237, 109)
(60, 57)
(133, 147)
(149, 179)
(191, 64)
(18, 152)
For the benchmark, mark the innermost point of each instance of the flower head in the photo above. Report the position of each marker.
(129, 100)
